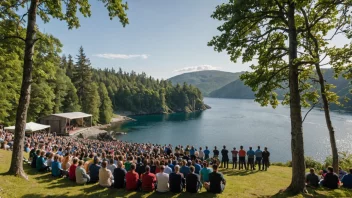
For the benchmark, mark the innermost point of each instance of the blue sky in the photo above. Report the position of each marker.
(164, 38)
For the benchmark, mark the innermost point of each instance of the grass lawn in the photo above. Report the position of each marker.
(239, 184)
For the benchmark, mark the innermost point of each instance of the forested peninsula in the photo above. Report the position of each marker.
(70, 83)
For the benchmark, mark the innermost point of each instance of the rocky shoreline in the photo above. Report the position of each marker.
(94, 131)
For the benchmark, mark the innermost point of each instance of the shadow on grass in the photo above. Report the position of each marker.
(320, 192)
(234, 172)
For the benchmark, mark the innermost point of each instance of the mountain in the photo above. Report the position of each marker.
(206, 81)
(236, 89)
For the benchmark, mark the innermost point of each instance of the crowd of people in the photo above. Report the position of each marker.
(329, 179)
(137, 166)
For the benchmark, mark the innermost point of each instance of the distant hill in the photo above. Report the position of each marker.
(207, 81)
(219, 84)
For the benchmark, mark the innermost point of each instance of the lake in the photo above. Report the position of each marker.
(235, 122)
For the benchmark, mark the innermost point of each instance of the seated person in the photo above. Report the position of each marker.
(312, 179)
(162, 180)
(34, 156)
(347, 180)
(216, 181)
(56, 169)
(94, 170)
(41, 163)
(184, 169)
(132, 178)
(331, 180)
(72, 170)
(148, 180)
(119, 176)
(192, 181)
(341, 173)
(204, 173)
(81, 176)
(105, 175)
(176, 180)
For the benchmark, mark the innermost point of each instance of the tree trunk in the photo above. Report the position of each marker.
(297, 148)
(23, 103)
(335, 157)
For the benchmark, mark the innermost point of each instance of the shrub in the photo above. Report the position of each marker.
(345, 160)
(311, 163)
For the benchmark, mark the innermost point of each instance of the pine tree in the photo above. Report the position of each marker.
(91, 102)
(70, 67)
(82, 75)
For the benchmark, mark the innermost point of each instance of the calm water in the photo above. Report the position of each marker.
(234, 122)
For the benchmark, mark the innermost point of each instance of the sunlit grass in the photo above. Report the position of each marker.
(239, 184)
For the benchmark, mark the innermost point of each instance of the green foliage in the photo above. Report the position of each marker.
(91, 102)
(345, 160)
(311, 163)
(105, 109)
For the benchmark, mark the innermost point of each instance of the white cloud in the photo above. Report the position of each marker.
(122, 56)
(197, 68)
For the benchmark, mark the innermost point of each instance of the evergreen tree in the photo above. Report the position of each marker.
(82, 76)
(91, 102)
(70, 67)
(105, 109)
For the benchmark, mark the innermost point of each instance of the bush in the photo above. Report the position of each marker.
(345, 160)
(311, 163)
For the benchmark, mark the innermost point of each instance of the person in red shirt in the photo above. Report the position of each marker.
(72, 170)
(148, 180)
(132, 178)
(242, 159)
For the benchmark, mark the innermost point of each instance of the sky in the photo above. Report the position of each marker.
(164, 38)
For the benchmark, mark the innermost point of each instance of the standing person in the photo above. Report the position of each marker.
(192, 152)
(192, 181)
(148, 180)
(162, 180)
(216, 152)
(105, 175)
(81, 176)
(216, 181)
(201, 154)
(234, 153)
(119, 176)
(242, 159)
(266, 155)
(206, 153)
(258, 158)
(331, 179)
(176, 180)
(250, 154)
(225, 157)
(132, 178)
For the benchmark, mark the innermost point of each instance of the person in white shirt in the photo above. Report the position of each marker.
(162, 180)
(201, 153)
(105, 175)
(111, 165)
(81, 176)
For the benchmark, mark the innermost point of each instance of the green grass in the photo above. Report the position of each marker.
(239, 184)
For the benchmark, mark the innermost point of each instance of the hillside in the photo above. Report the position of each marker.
(207, 81)
(236, 89)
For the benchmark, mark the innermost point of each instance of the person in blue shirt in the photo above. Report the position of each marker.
(41, 162)
(347, 180)
(258, 157)
(184, 169)
(56, 169)
(206, 153)
(192, 152)
(250, 162)
(171, 165)
(94, 170)
(204, 173)
(196, 165)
